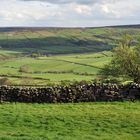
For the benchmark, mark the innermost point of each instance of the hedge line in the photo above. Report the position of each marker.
(72, 93)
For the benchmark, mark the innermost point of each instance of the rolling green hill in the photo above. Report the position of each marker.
(45, 56)
(63, 40)
(54, 55)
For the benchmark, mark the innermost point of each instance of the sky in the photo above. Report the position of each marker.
(69, 13)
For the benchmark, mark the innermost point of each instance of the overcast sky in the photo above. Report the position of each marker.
(69, 13)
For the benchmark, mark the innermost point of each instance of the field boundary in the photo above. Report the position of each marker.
(72, 93)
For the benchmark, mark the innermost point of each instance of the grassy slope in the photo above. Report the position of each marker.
(84, 121)
(70, 64)
(14, 41)
(5, 54)
(56, 40)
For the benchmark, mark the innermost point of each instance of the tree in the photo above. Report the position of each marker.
(125, 62)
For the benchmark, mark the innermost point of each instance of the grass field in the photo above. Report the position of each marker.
(66, 54)
(83, 121)
(54, 69)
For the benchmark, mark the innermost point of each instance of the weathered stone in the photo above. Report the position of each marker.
(73, 93)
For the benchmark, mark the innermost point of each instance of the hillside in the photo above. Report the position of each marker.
(27, 54)
(63, 40)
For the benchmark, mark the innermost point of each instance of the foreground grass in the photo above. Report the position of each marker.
(84, 121)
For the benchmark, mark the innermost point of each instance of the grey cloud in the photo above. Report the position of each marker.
(86, 2)
(69, 13)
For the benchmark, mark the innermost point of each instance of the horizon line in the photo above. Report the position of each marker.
(118, 25)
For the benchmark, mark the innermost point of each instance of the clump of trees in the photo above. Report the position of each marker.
(126, 60)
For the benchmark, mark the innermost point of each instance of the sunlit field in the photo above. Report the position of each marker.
(82, 121)
(54, 69)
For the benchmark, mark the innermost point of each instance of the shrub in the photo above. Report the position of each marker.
(24, 69)
(5, 81)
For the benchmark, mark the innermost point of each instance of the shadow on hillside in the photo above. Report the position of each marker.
(54, 45)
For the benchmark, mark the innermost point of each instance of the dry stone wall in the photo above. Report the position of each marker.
(73, 93)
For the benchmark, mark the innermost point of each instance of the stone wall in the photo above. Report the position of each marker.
(72, 93)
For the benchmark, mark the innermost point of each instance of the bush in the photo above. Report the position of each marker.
(5, 81)
(24, 69)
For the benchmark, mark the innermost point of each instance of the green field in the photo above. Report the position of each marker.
(54, 69)
(83, 121)
(62, 54)
(43, 56)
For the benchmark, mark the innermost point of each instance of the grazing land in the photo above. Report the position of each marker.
(98, 121)
(57, 55)
(40, 70)
(41, 56)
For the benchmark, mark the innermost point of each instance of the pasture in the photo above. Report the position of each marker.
(57, 55)
(45, 56)
(54, 69)
(82, 121)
